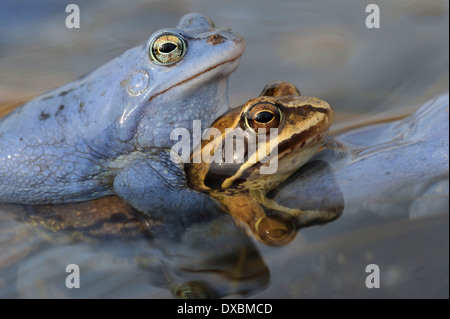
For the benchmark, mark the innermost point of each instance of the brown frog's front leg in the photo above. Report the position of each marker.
(275, 230)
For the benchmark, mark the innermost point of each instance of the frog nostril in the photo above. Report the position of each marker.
(214, 39)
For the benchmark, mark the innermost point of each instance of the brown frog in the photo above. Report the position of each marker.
(301, 124)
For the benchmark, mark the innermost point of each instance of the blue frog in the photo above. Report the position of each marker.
(108, 133)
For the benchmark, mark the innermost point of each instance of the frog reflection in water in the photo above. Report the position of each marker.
(302, 123)
(108, 133)
(172, 251)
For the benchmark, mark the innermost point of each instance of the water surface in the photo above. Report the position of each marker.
(322, 47)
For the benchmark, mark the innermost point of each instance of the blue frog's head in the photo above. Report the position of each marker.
(180, 75)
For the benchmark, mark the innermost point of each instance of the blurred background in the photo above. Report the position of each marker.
(325, 49)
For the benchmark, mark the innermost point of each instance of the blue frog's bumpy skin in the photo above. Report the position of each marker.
(109, 132)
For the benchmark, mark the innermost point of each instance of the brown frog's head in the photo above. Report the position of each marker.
(253, 148)
(271, 136)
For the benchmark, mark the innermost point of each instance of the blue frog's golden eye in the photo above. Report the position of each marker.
(262, 115)
(167, 48)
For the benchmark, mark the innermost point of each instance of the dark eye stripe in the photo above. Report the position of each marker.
(316, 109)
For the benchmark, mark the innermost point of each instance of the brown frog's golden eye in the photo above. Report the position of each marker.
(262, 115)
(167, 48)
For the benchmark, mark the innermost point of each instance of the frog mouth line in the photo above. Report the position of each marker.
(194, 76)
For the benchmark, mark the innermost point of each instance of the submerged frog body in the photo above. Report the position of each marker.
(301, 122)
(108, 133)
(391, 169)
